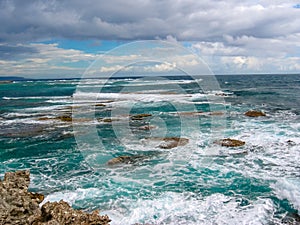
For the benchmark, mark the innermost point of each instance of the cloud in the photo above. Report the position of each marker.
(46, 60)
(231, 36)
(185, 20)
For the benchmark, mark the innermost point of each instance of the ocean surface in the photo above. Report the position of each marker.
(66, 132)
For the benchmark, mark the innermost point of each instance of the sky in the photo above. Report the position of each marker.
(58, 39)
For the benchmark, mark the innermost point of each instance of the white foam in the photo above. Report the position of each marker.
(36, 97)
(288, 189)
(186, 208)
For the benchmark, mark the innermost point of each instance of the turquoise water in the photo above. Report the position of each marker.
(198, 183)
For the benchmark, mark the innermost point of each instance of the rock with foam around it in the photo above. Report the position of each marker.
(254, 114)
(228, 142)
(20, 207)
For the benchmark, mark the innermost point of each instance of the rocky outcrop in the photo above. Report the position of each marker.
(254, 113)
(228, 142)
(20, 207)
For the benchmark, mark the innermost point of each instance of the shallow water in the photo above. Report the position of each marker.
(198, 183)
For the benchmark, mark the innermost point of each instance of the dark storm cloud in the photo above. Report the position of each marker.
(8, 52)
(142, 19)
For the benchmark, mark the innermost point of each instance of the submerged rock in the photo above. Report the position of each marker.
(20, 207)
(100, 105)
(140, 116)
(173, 142)
(125, 159)
(147, 127)
(65, 118)
(254, 113)
(228, 142)
(170, 142)
(291, 143)
(6, 81)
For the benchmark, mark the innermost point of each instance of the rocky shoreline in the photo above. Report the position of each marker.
(18, 206)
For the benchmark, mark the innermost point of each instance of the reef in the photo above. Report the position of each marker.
(18, 206)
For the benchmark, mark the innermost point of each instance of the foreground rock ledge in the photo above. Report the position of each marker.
(18, 206)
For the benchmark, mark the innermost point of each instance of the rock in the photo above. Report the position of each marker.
(291, 219)
(228, 142)
(65, 118)
(140, 116)
(62, 213)
(120, 159)
(20, 207)
(107, 120)
(5, 81)
(43, 118)
(17, 205)
(125, 159)
(170, 142)
(255, 113)
(173, 142)
(291, 143)
(217, 113)
(147, 127)
(100, 105)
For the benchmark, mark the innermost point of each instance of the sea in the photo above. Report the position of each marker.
(147, 151)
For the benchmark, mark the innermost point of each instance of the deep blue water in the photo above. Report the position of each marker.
(198, 183)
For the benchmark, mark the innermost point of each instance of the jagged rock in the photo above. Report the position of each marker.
(228, 142)
(17, 205)
(254, 113)
(20, 207)
(140, 116)
(62, 213)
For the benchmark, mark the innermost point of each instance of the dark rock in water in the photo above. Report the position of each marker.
(20, 207)
(171, 142)
(228, 142)
(100, 105)
(107, 120)
(255, 113)
(291, 219)
(147, 127)
(65, 118)
(140, 116)
(5, 81)
(120, 159)
(44, 118)
(125, 159)
(291, 143)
